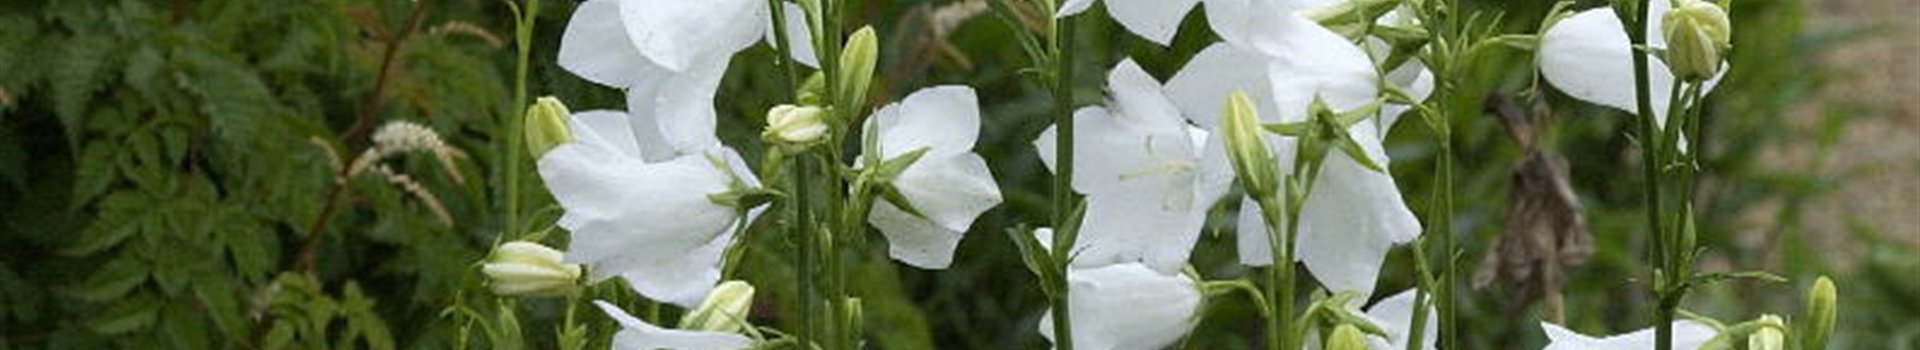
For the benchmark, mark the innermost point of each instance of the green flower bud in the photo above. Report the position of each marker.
(1821, 310)
(796, 125)
(725, 309)
(1771, 336)
(1247, 149)
(1698, 36)
(856, 66)
(1346, 337)
(521, 268)
(546, 125)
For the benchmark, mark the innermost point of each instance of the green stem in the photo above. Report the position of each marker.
(1650, 158)
(1063, 196)
(523, 42)
(801, 221)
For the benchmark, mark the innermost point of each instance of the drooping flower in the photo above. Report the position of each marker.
(946, 188)
(1137, 162)
(1353, 215)
(670, 56)
(521, 268)
(636, 334)
(654, 223)
(1128, 306)
(1686, 335)
(1588, 56)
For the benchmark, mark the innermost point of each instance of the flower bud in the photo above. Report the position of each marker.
(1820, 314)
(725, 309)
(546, 125)
(1346, 337)
(1770, 336)
(790, 124)
(1698, 36)
(1246, 147)
(522, 268)
(856, 67)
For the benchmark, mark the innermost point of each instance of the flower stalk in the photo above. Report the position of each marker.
(1064, 200)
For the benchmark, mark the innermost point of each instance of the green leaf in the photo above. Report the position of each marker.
(76, 75)
(94, 172)
(128, 315)
(115, 279)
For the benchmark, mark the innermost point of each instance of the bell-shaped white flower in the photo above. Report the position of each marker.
(671, 34)
(1154, 20)
(653, 223)
(1588, 56)
(1353, 215)
(1395, 315)
(1686, 335)
(1128, 306)
(1138, 163)
(949, 184)
(670, 56)
(636, 334)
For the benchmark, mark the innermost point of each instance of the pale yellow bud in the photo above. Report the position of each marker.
(1698, 35)
(522, 268)
(546, 126)
(1247, 149)
(1346, 337)
(1769, 337)
(725, 309)
(790, 124)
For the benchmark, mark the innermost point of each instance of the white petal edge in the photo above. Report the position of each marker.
(636, 334)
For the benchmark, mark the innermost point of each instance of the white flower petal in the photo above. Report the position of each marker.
(797, 33)
(1395, 315)
(952, 192)
(1154, 20)
(1249, 23)
(1128, 307)
(1073, 7)
(610, 129)
(1201, 88)
(1413, 77)
(600, 190)
(1252, 235)
(1312, 62)
(639, 335)
(1686, 335)
(676, 110)
(595, 46)
(943, 119)
(678, 34)
(1352, 218)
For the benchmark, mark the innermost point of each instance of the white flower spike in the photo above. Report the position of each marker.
(1128, 307)
(636, 334)
(1588, 56)
(949, 183)
(652, 223)
(1138, 163)
(1154, 20)
(1687, 335)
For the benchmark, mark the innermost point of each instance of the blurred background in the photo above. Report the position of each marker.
(171, 177)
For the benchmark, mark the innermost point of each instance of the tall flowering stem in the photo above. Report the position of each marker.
(1064, 200)
(1634, 16)
(523, 43)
